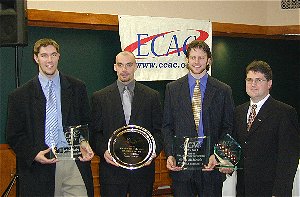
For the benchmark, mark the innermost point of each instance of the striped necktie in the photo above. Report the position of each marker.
(196, 104)
(51, 123)
(251, 116)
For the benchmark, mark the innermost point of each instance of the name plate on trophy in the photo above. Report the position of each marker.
(131, 146)
(192, 153)
(228, 152)
(74, 135)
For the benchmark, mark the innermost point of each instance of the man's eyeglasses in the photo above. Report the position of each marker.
(256, 80)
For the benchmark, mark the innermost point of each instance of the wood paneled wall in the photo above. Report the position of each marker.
(45, 18)
(7, 168)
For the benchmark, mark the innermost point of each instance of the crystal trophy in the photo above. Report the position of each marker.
(75, 136)
(191, 153)
(228, 152)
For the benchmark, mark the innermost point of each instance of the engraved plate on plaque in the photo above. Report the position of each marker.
(192, 153)
(131, 146)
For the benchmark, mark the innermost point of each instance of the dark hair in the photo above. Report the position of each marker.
(200, 45)
(44, 42)
(260, 66)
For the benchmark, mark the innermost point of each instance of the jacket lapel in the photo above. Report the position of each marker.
(39, 111)
(136, 102)
(66, 98)
(39, 98)
(116, 103)
(185, 101)
(262, 115)
(208, 96)
(241, 119)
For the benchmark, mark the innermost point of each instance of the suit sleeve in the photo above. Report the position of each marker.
(18, 136)
(97, 142)
(288, 152)
(85, 110)
(167, 126)
(228, 114)
(156, 115)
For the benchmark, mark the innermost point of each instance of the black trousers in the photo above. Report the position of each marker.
(201, 184)
(132, 188)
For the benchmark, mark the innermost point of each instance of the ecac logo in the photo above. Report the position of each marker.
(146, 45)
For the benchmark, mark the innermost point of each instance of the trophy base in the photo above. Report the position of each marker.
(64, 153)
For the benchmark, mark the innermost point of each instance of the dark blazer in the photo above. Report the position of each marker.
(217, 109)
(108, 116)
(270, 149)
(26, 132)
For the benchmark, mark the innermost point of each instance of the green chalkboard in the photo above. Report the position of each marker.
(89, 55)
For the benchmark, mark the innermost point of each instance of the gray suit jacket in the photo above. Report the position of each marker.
(178, 120)
(26, 132)
(270, 149)
(108, 116)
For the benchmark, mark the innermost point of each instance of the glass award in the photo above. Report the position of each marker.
(191, 153)
(75, 136)
(228, 152)
(131, 146)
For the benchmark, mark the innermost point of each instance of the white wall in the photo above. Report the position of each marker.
(250, 12)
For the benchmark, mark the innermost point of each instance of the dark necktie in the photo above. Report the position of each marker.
(51, 123)
(196, 104)
(251, 116)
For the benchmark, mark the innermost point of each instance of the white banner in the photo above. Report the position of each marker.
(159, 44)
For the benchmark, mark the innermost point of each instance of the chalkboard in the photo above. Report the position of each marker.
(89, 55)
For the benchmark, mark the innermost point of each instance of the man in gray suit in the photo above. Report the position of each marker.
(216, 119)
(109, 114)
(27, 129)
(269, 138)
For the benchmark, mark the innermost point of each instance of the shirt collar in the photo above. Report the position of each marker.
(192, 80)
(44, 80)
(259, 103)
(130, 86)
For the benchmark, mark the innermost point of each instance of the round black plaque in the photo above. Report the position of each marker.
(131, 146)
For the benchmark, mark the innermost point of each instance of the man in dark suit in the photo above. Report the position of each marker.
(108, 115)
(216, 119)
(27, 129)
(269, 138)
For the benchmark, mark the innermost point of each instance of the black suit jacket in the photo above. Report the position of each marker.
(270, 149)
(26, 132)
(108, 116)
(217, 109)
